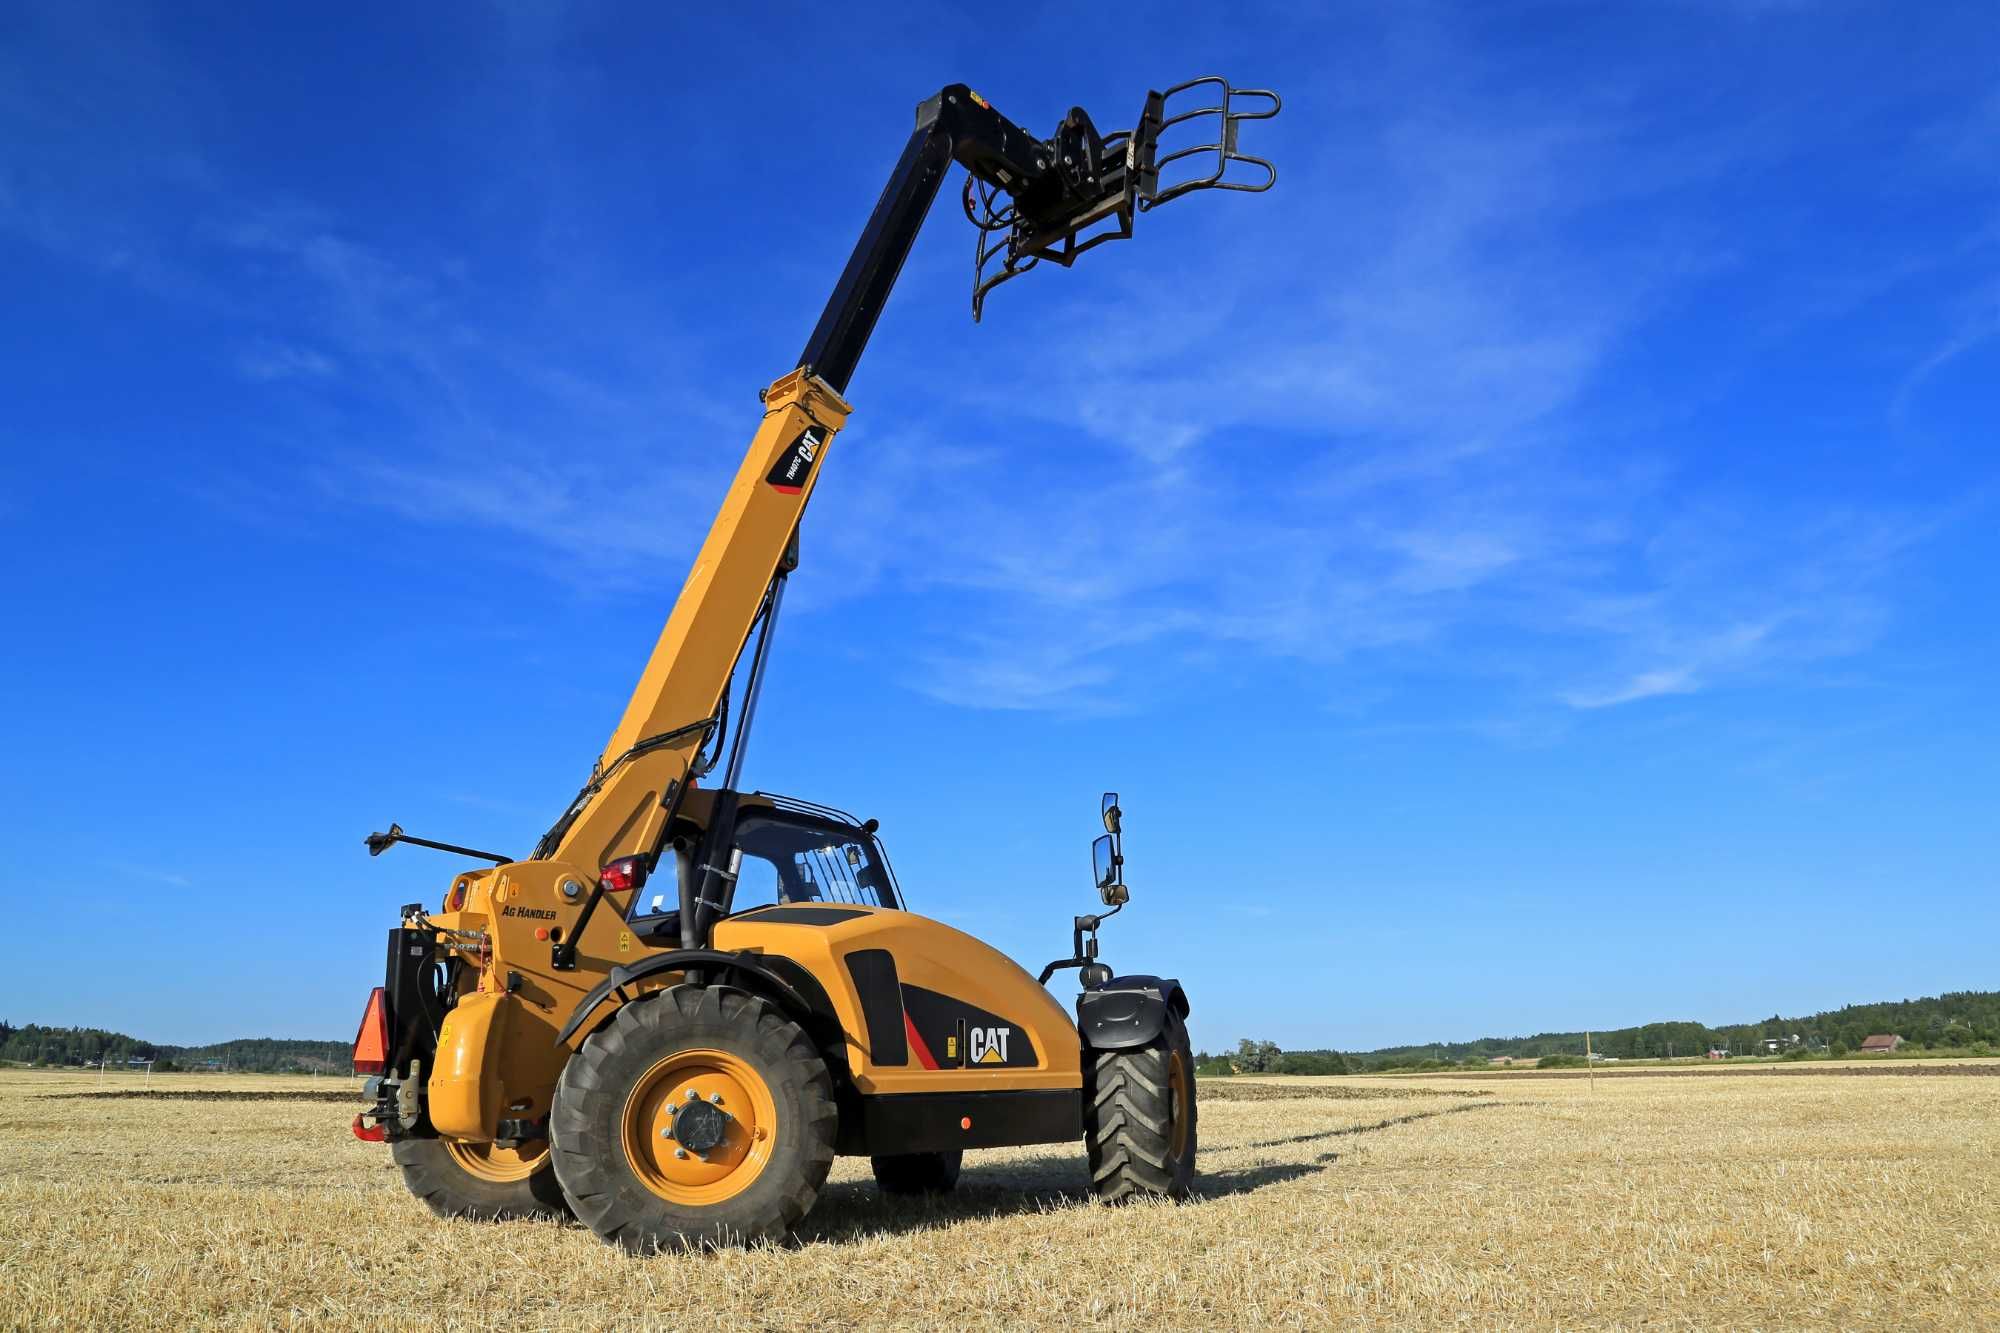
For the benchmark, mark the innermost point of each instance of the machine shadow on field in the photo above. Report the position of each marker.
(856, 1211)
(1390, 1123)
(851, 1212)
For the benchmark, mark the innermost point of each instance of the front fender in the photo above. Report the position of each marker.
(1128, 1012)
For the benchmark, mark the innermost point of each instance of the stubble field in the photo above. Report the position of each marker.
(1807, 1200)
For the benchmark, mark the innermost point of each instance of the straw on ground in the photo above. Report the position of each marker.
(1767, 1202)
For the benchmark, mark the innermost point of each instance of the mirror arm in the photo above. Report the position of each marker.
(1084, 952)
(1057, 966)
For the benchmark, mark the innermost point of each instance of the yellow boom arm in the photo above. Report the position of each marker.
(690, 667)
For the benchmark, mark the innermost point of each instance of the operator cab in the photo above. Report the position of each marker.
(786, 851)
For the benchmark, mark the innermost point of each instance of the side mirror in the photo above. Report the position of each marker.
(1107, 866)
(1111, 812)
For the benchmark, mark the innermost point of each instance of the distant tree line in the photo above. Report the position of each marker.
(1956, 1020)
(1264, 1057)
(34, 1044)
(37, 1045)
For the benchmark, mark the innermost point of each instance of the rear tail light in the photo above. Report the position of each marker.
(371, 1043)
(456, 898)
(368, 1133)
(627, 872)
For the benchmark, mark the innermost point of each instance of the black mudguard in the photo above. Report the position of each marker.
(1127, 1012)
(779, 980)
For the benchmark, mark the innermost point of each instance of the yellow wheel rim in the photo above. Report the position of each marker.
(490, 1161)
(655, 1114)
(1177, 1103)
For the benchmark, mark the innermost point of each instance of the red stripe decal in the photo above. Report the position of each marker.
(924, 1055)
(788, 490)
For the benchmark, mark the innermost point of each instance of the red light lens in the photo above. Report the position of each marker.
(624, 873)
(455, 899)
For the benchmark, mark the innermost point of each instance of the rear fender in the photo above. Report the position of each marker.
(464, 1088)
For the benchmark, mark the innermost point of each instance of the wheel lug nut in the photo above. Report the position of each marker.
(681, 1153)
(716, 1098)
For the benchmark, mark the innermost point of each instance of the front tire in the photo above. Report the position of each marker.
(1139, 1118)
(647, 1166)
(480, 1181)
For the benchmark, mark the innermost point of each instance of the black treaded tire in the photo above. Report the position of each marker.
(605, 1191)
(918, 1172)
(1130, 1128)
(449, 1190)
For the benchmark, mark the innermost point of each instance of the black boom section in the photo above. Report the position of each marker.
(956, 125)
(1034, 199)
(881, 995)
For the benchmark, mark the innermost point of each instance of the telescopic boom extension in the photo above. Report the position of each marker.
(1030, 199)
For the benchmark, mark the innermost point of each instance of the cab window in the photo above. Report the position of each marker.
(795, 862)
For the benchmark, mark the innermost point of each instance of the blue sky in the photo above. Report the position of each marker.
(1534, 568)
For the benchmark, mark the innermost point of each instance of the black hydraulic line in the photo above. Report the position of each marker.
(599, 775)
(754, 686)
(721, 835)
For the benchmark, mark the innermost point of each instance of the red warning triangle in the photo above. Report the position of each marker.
(371, 1043)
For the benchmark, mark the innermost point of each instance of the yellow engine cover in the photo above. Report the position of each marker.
(925, 1008)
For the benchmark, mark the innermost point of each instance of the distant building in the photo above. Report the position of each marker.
(1881, 1045)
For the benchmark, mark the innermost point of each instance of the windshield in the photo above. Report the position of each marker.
(788, 861)
(786, 858)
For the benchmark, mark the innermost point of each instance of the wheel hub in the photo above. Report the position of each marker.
(700, 1126)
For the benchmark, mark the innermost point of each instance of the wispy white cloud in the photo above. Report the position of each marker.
(270, 360)
(150, 875)
(1362, 413)
(1979, 324)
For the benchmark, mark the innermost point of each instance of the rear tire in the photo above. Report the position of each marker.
(635, 1186)
(1139, 1118)
(916, 1173)
(465, 1180)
